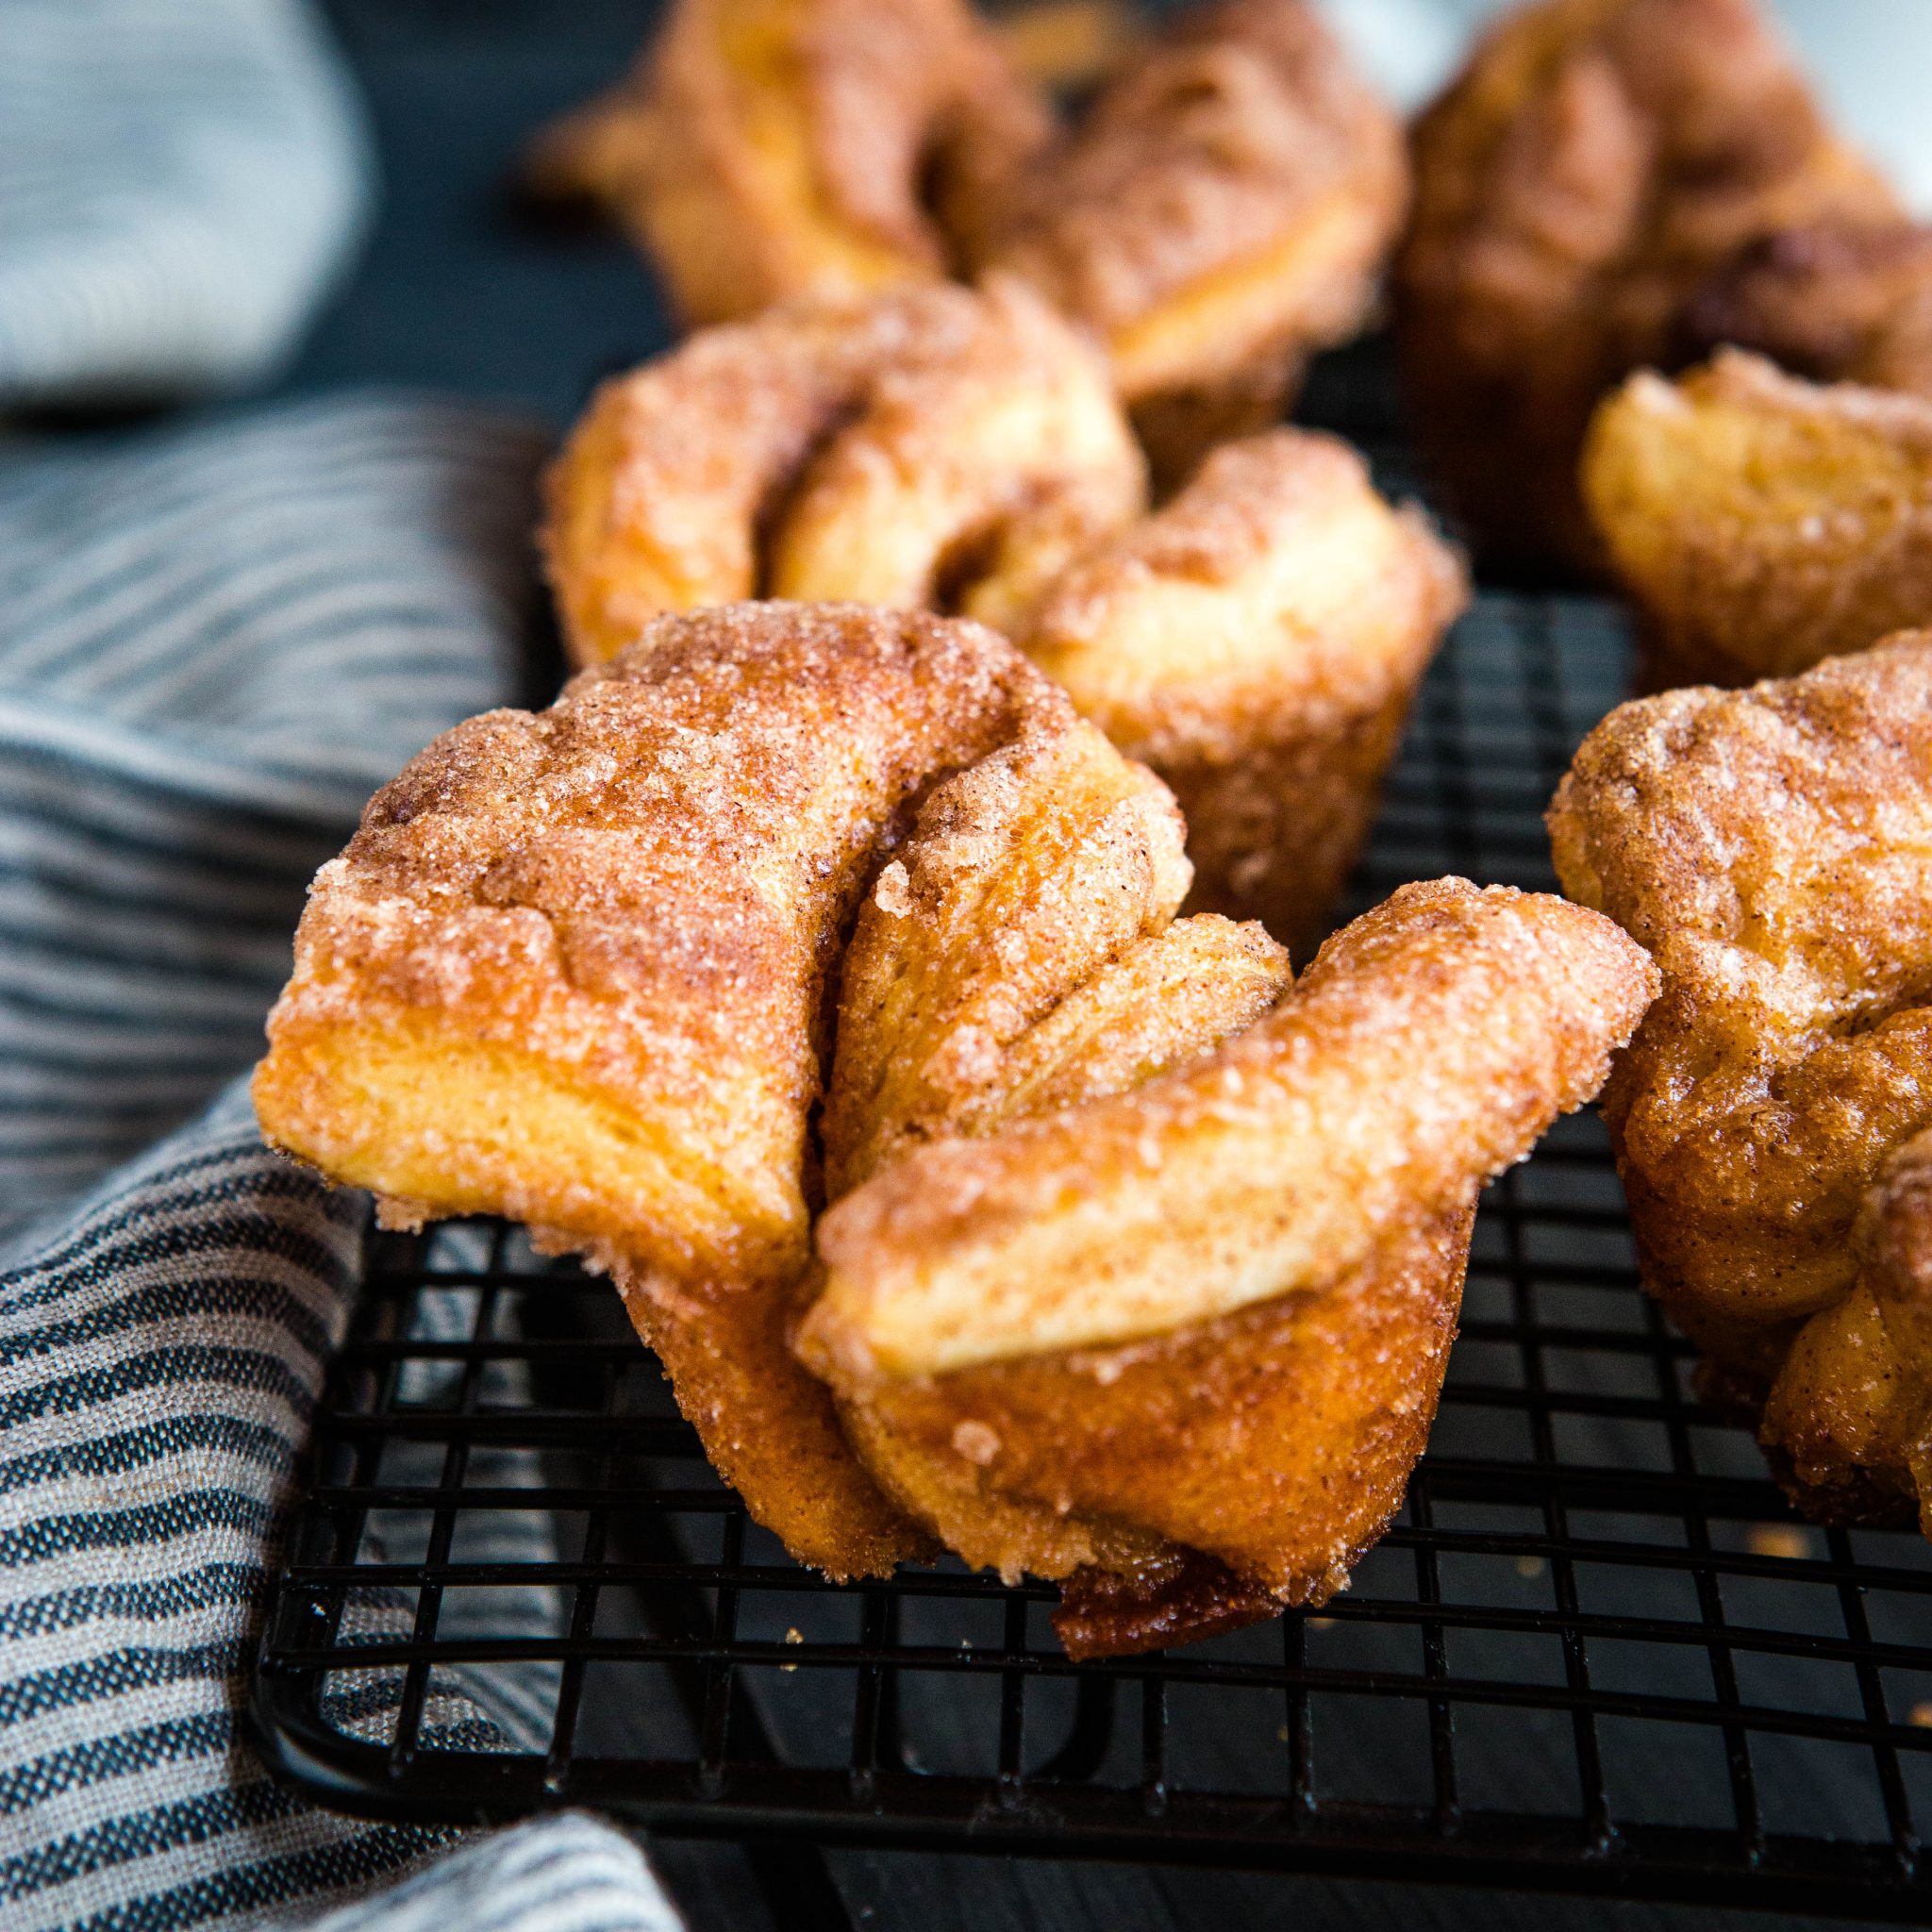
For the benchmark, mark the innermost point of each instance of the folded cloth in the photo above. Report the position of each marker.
(214, 642)
(564, 1873)
(161, 1359)
(179, 184)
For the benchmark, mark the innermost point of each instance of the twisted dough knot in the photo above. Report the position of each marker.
(1773, 850)
(586, 968)
(1258, 641)
(934, 445)
(1222, 212)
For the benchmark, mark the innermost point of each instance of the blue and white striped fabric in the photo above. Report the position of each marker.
(214, 642)
(179, 179)
(566, 1874)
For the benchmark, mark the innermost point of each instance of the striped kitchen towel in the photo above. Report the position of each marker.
(179, 180)
(159, 1362)
(214, 642)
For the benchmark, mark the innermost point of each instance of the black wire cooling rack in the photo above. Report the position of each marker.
(1597, 1653)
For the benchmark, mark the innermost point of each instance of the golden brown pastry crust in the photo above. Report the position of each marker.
(575, 967)
(898, 450)
(1275, 1443)
(1217, 1466)
(1596, 163)
(1772, 849)
(1257, 642)
(764, 149)
(1028, 873)
(1760, 521)
(1894, 1243)
(1221, 211)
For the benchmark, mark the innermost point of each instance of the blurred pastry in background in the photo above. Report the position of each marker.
(934, 445)
(1578, 188)
(1762, 522)
(1170, 1329)
(1849, 303)
(1258, 641)
(1772, 849)
(768, 148)
(1221, 211)
(1069, 45)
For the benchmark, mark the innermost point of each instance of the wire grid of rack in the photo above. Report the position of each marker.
(1596, 1652)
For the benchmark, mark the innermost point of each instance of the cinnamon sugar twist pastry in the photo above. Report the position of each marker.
(577, 968)
(1845, 302)
(770, 148)
(1173, 1331)
(1222, 211)
(1257, 641)
(1597, 164)
(573, 969)
(1762, 522)
(1773, 850)
(937, 444)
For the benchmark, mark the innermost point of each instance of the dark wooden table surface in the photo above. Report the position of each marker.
(460, 288)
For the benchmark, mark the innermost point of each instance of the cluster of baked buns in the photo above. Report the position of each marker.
(875, 959)
(1660, 321)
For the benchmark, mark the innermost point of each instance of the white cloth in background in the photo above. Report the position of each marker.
(179, 179)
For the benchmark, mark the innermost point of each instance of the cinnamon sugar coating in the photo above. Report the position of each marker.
(1762, 522)
(1221, 211)
(575, 969)
(764, 149)
(1596, 164)
(1257, 642)
(1871, 1434)
(1258, 1455)
(1152, 1471)
(1276, 1164)
(1026, 875)
(1017, 955)
(895, 450)
(1773, 850)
